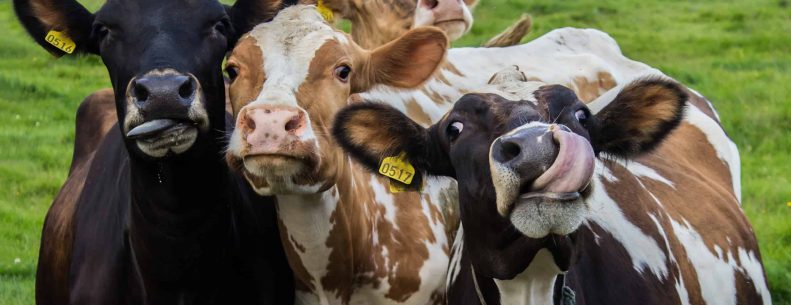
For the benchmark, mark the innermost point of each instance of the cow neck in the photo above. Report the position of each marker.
(179, 211)
(534, 286)
(325, 226)
(169, 190)
(507, 265)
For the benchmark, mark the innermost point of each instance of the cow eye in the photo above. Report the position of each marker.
(342, 72)
(222, 26)
(581, 115)
(232, 71)
(454, 130)
(100, 31)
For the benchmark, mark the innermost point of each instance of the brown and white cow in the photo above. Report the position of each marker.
(348, 240)
(632, 205)
(377, 22)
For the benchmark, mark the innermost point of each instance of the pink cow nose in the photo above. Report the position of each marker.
(266, 128)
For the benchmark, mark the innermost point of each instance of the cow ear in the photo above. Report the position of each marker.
(639, 117)
(246, 14)
(59, 26)
(371, 132)
(406, 62)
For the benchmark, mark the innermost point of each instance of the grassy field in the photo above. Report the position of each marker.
(737, 53)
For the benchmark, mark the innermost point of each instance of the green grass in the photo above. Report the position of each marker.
(737, 53)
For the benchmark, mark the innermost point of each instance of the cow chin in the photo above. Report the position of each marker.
(540, 216)
(453, 28)
(177, 142)
(281, 175)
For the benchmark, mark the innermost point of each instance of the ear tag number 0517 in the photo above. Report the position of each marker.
(61, 41)
(397, 168)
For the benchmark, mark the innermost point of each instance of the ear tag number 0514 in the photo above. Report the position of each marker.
(61, 41)
(397, 168)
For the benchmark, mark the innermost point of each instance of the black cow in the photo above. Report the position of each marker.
(629, 206)
(152, 215)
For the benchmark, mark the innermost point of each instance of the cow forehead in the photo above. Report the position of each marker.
(137, 12)
(499, 100)
(289, 44)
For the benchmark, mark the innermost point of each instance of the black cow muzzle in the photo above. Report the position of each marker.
(165, 112)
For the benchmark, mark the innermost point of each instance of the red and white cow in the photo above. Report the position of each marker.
(632, 205)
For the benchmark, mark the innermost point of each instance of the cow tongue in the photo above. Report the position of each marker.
(573, 167)
(150, 128)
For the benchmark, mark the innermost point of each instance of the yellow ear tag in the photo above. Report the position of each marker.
(325, 11)
(397, 168)
(61, 41)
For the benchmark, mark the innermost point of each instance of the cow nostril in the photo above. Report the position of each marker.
(509, 150)
(140, 92)
(186, 89)
(249, 123)
(293, 124)
(432, 4)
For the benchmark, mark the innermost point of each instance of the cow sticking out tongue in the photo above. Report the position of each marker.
(540, 169)
(572, 169)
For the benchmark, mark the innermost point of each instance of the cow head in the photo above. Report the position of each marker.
(523, 167)
(377, 22)
(164, 59)
(289, 78)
